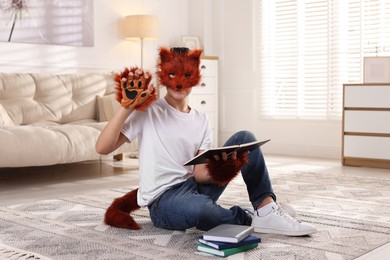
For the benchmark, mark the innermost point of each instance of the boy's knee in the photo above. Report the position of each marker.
(241, 137)
(246, 136)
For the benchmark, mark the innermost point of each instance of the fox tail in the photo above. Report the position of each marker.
(118, 214)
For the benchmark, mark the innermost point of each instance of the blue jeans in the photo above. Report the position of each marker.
(190, 204)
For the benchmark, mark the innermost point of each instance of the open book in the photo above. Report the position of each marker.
(208, 154)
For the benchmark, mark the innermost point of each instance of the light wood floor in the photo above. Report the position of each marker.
(19, 185)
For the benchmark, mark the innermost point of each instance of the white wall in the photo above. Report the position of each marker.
(238, 93)
(110, 51)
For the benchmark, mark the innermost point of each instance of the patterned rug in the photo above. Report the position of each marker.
(352, 215)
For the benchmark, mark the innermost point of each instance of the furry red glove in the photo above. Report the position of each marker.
(133, 89)
(222, 172)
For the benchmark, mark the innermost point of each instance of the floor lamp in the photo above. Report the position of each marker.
(144, 27)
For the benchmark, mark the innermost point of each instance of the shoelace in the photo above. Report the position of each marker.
(281, 212)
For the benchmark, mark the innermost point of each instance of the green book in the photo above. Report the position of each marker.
(225, 252)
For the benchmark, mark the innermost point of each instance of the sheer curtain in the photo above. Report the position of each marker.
(306, 50)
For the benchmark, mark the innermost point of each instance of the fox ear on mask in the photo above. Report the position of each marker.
(195, 54)
(165, 54)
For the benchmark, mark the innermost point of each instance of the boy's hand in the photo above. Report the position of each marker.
(224, 168)
(135, 90)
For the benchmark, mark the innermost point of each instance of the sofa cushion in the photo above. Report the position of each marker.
(30, 98)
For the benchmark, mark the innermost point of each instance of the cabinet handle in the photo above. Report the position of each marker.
(203, 84)
(203, 102)
(203, 67)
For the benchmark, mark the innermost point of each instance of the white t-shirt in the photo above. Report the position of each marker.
(167, 139)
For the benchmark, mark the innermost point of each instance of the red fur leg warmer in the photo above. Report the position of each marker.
(222, 172)
(118, 214)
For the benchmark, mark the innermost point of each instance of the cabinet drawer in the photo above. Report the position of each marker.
(367, 147)
(367, 96)
(203, 103)
(206, 86)
(367, 121)
(208, 68)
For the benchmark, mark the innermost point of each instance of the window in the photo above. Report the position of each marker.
(306, 50)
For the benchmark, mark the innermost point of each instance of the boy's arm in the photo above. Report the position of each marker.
(111, 137)
(133, 91)
(200, 173)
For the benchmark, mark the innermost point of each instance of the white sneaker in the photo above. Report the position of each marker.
(279, 221)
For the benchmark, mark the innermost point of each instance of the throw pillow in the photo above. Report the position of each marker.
(107, 107)
(4, 117)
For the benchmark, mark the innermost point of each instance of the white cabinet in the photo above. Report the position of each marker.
(205, 96)
(366, 125)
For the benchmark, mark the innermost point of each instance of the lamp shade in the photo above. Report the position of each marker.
(141, 26)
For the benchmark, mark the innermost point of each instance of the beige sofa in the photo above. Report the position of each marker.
(48, 119)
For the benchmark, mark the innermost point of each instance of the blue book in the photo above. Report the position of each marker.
(225, 245)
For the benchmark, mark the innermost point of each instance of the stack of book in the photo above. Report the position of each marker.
(228, 239)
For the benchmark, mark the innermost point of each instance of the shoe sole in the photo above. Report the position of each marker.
(286, 233)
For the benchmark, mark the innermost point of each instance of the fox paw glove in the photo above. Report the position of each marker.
(133, 89)
(222, 172)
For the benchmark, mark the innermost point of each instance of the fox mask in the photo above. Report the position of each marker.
(178, 68)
